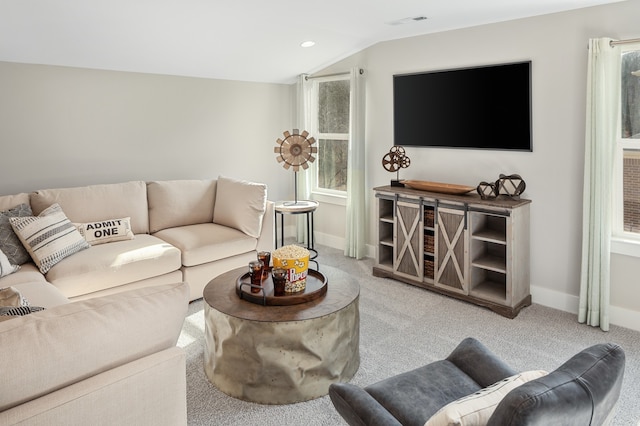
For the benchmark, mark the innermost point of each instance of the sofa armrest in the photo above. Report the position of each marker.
(147, 391)
(358, 408)
(583, 390)
(48, 350)
(267, 234)
(479, 363)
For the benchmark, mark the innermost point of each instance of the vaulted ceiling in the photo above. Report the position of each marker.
(250, 40)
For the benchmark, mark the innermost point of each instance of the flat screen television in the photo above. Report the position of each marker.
(485, 107)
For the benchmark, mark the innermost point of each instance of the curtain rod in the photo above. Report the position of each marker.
(616, 42)
(309, 77)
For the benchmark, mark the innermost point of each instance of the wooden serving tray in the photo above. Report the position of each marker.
(444, 188)
(316, 287)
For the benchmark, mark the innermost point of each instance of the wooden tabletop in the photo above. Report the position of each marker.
(220, 294)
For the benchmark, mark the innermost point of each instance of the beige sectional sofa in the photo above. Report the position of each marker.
(103, 351)
(184, 230)
(109, 360)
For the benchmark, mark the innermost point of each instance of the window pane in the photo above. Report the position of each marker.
(631, 182)
(332, 164)
(333, 106)
(630, 94)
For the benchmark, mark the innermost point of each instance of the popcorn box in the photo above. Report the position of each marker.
(295, 260)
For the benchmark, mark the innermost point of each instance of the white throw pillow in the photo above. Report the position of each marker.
(106, 231)
(241, 205)
(477, 408)
(48, 237)
(6, 267)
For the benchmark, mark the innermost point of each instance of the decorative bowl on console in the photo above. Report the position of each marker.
(443, 188)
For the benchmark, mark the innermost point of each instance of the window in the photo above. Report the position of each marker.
(330, 127)
(628, 149)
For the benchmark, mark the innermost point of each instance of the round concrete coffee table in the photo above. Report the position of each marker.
(281, 354)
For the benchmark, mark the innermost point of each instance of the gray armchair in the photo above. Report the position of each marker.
(582, 391)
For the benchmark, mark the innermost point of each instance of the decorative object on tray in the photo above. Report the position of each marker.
(395, 160)
(295, 260)
(443, 188)
(279, 278)
(255, 275)
(265, 258)
(295, 151)
(487, 190)
(315, 287)
(511, 185)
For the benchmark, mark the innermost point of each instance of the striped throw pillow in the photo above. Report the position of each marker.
(48, 237)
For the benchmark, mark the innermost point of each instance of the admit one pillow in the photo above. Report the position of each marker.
(106, 231)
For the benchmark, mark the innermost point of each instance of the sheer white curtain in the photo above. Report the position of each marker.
(355, 244)
(603, 103)
(303, 122)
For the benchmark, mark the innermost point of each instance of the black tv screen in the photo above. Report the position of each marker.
(487, 107)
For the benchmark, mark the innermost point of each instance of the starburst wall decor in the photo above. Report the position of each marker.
(295, 150)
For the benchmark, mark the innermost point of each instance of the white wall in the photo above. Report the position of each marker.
(64, 126)
(557, 46)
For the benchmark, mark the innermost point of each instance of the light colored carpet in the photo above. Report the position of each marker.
(403, 327)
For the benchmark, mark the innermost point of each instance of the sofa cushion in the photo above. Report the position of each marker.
(28, 272)
(9, 201)
(180, 202)
(477, 408)
(207, 242)
(10, 244)
(48, 237)
(99, 202)
(241, 205)
(114, 264)
(57, 347)
(41, 293)
(106, 231)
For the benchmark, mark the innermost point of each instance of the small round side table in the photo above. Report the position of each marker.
(306, 207)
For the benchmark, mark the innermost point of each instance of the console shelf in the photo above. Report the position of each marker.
(458, 245)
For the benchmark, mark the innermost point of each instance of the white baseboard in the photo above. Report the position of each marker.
(624, 318)
(543, 296)
(330, 241)
(554, 299)
(569, 303)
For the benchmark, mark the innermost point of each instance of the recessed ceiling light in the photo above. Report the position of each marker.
(307, 43)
